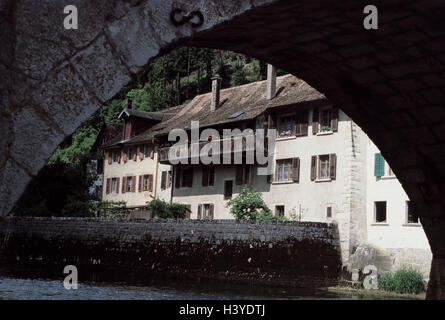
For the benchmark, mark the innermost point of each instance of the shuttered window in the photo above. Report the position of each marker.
(286, 126)
(287, 170)
(379, 165)
(324, 167)
(129, 184)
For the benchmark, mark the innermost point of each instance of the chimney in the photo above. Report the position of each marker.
(271, 81)
(216, 88)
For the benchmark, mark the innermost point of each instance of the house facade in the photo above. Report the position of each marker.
(324, 168)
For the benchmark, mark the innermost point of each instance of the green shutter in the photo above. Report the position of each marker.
(379, 165)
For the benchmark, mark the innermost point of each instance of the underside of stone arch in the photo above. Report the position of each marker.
(389, 80)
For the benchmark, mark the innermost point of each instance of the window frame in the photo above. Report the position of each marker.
(231, 191)
(128, 184)
(276, 210)
(279, 167)
(321, 111)
(407, 222)
(386, 213)
(113, 190)
(115, 156)
(293, 120)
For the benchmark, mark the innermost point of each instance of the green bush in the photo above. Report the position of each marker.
(250, 205)
(111, 209)
(162, 209)
(405, 281)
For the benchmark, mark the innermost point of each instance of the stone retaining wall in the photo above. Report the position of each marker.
(282, 253)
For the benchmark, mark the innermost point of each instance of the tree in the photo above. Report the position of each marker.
(250, 205)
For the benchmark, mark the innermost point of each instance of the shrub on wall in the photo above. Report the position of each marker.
(249, 204)
(111, 209)
(162, 209)
(406, 280)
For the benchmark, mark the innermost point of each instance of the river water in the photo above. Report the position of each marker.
(46, 289)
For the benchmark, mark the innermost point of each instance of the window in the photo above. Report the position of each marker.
(411, 215)
(283, 171)
(205, 211)
(287, 170)
(146, 182)
(114, 185)
(129, 184)
(279, 211)
(325, 120)
(132, 153)
(381, 167)
(323, 167)
(116, 156)
(166, 180)
(286, 126)
(242, 174)
(380, 211)
(329, 212)
(208, 176)
(147, 150)
(228, 189)
(183, 177)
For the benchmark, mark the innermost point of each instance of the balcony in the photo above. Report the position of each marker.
(230, 147)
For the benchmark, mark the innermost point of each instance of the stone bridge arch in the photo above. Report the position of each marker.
(390, 80)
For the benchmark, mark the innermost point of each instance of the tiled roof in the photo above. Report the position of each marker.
(250, 98)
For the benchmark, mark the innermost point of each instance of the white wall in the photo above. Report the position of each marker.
(396, 233)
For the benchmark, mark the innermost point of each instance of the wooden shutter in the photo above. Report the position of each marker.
(117, 185)
(212, 176)
(140, 182)
(163, 180)
(150, 182)
(199, 211)
(124, 156)
(110, 159)
(297, 123)
(313, 168)
(124, 184)
(304, 122)
(315, 115)
(108, 186)
(178, 177)
(211, 211)
(332, 165)
(334, 119)
(205, 176)
(296, 169)
(239, 175)
(152, 153)
(141, 152)
(133, 184)
(379, 165)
